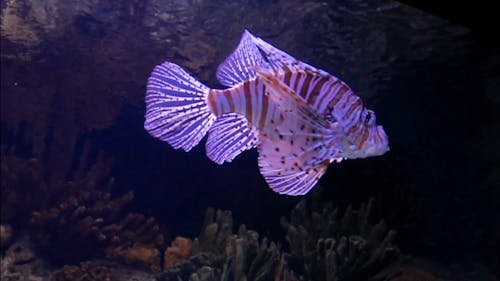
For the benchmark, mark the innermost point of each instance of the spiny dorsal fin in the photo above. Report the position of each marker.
(281, 61)
(238, 66)
(253, 51)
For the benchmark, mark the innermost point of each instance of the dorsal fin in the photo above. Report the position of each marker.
(281, 61)
(238, 66)
(253, 51)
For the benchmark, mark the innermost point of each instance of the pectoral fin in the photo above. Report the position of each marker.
(291, 182)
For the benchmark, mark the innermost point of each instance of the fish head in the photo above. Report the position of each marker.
(372, 143)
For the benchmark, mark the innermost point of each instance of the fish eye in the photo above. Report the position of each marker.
(367, 116)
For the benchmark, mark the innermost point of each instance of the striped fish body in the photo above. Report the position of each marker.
(300, 118)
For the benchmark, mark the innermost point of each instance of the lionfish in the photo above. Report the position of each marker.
(300, 118)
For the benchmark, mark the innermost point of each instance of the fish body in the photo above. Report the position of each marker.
(300, 118)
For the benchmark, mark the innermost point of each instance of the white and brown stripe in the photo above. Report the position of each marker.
(328, 95)
(247, 99)
(325, 94)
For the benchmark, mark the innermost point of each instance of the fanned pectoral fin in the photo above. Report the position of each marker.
(228, 137)
(291, 182)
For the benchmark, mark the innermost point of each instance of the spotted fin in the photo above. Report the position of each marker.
(296, 150)
(229, 136)
(297, 182)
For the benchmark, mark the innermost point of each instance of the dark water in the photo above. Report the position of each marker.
(73, 81)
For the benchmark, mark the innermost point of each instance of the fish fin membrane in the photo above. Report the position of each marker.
(176, 107)
(238, 66)
(253, 51)
(297, 182)
(279, 60)
(229, 136)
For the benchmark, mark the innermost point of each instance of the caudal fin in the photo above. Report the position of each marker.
(176, 107)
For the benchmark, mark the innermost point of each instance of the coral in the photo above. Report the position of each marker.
(178, 252)
(93, 217)
(23, 189)
(216, 229)
(146, 255)
(219, 254)
(326, 246)
(323, 246)
(85, 271)
(83, 210)
(284, 272)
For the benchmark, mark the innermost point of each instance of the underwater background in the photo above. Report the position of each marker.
(87, 193)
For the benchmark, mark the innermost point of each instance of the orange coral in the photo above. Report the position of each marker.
(179, 252)
(139, 254)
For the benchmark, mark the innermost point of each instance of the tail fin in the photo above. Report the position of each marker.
(176, 107)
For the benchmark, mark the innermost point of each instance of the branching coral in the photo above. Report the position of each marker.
(326, 246)
(23, 189)
(178, 252)
(216, 230)
(82, 210)
(323, 246)
(97, 221)
(93, 217)
(25, 186)
(219, 254)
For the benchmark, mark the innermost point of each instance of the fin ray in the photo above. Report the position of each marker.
(176, 107)
(229, 136)
(291, 182)
(278, 60)
(238, 66)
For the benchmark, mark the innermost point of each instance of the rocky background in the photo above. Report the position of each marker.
(73, 79)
